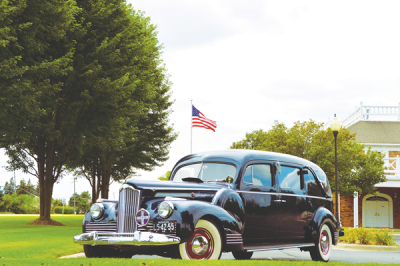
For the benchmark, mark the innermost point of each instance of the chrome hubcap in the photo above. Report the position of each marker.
(199, 245)
(324, 242)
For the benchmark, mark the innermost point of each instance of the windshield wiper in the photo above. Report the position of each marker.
(192, 179)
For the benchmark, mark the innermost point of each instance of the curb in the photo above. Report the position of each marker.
(357, 247)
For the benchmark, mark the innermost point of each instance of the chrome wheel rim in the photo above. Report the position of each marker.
(201, 245)
(324, 242)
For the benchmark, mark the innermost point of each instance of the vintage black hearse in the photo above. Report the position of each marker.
(237, 201)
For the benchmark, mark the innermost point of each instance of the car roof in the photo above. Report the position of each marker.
(241, 157)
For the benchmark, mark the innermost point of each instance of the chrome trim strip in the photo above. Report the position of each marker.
(177, 188)
(283, 194)
(259, 192)
(134, 239)
(279, 247)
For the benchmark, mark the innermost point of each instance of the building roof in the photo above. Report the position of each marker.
(382, 132)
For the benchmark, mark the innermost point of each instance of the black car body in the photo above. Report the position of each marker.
(237, 201)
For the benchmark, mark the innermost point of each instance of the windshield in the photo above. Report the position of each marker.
(206, 171)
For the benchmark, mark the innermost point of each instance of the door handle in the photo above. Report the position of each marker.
(278, 200)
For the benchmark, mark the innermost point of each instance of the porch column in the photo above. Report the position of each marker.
(355, 208)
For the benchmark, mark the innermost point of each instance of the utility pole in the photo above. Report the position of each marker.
(74, 195)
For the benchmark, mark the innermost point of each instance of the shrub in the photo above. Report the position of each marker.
(384, 237)
(368, 237)
(67, 210)
(24, 203)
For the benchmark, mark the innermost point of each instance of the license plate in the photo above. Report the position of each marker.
(165, 227)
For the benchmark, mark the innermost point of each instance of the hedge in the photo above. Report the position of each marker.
(67, 210)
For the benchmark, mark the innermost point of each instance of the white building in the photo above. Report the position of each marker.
(379, 128)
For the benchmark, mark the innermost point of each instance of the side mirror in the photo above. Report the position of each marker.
(305, 172)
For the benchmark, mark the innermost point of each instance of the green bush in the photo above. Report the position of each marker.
(368, 237)
(24, 203)
(67, 210)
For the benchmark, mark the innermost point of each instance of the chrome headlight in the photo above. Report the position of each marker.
(97, 210)
(165, 209)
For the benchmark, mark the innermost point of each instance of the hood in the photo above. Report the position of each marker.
(175, 186)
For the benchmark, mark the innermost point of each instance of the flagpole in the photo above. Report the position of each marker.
(191, 125)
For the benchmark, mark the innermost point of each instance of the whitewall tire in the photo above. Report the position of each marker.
(323, 249)
(204, 244)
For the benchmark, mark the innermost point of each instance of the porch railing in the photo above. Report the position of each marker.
(363, 112)
(392, 167)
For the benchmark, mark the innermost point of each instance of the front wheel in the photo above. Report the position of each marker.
(322, 250)
(204, 244)
(242, 255)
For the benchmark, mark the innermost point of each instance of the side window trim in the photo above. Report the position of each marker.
(319, 182)
(300, 168)
(255, 162)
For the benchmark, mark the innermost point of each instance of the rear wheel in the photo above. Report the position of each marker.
(322, 251)
(204, 244)
(242, 255)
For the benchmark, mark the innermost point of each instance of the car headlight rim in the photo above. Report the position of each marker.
(97, 211)
(165, 209)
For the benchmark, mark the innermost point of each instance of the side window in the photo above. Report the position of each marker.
(248, 177)
(312, 186)
(258, 175)
(290, 178)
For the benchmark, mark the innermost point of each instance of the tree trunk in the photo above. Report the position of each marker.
(94, 184)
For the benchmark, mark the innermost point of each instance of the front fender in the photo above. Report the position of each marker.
(188, 212)
(230, 201)
(322, 216)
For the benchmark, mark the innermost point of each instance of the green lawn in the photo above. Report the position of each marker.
(22, 244)
(19, 240)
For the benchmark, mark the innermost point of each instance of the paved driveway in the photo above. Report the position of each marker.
(337, 255)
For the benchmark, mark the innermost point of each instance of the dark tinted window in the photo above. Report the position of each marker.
(258, 175)
(289, 178)
(311, 184)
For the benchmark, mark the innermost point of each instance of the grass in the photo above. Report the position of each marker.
(6, 213)
(22, 244)
(19, 240)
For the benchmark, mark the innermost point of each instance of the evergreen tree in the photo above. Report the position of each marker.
(9, 188)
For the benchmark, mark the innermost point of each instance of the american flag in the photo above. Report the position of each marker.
(199, 120)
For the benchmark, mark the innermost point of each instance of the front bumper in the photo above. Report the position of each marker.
(134, 239)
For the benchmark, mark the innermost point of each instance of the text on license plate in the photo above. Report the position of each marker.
(164, 227)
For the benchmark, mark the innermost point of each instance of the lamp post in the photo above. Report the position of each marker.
(335, 127)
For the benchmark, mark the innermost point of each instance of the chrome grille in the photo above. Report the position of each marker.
(101, 227)
(129, 200)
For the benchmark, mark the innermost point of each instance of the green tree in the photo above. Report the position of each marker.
(81, 201)
(38, 109)
(134, 133)
(21, 203)
(76, 75)
(9, 188)
(26, 188)
(357, 170)
(165, 177)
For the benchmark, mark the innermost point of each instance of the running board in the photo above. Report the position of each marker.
(253, 248)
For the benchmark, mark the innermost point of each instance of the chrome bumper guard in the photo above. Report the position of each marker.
(135, 239)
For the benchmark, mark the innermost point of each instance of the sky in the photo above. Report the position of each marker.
(246, 64)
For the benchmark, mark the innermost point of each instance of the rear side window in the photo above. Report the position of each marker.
(258, 175)
(290, 178)
(311, 184)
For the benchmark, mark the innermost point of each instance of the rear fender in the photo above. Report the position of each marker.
(322, 216)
